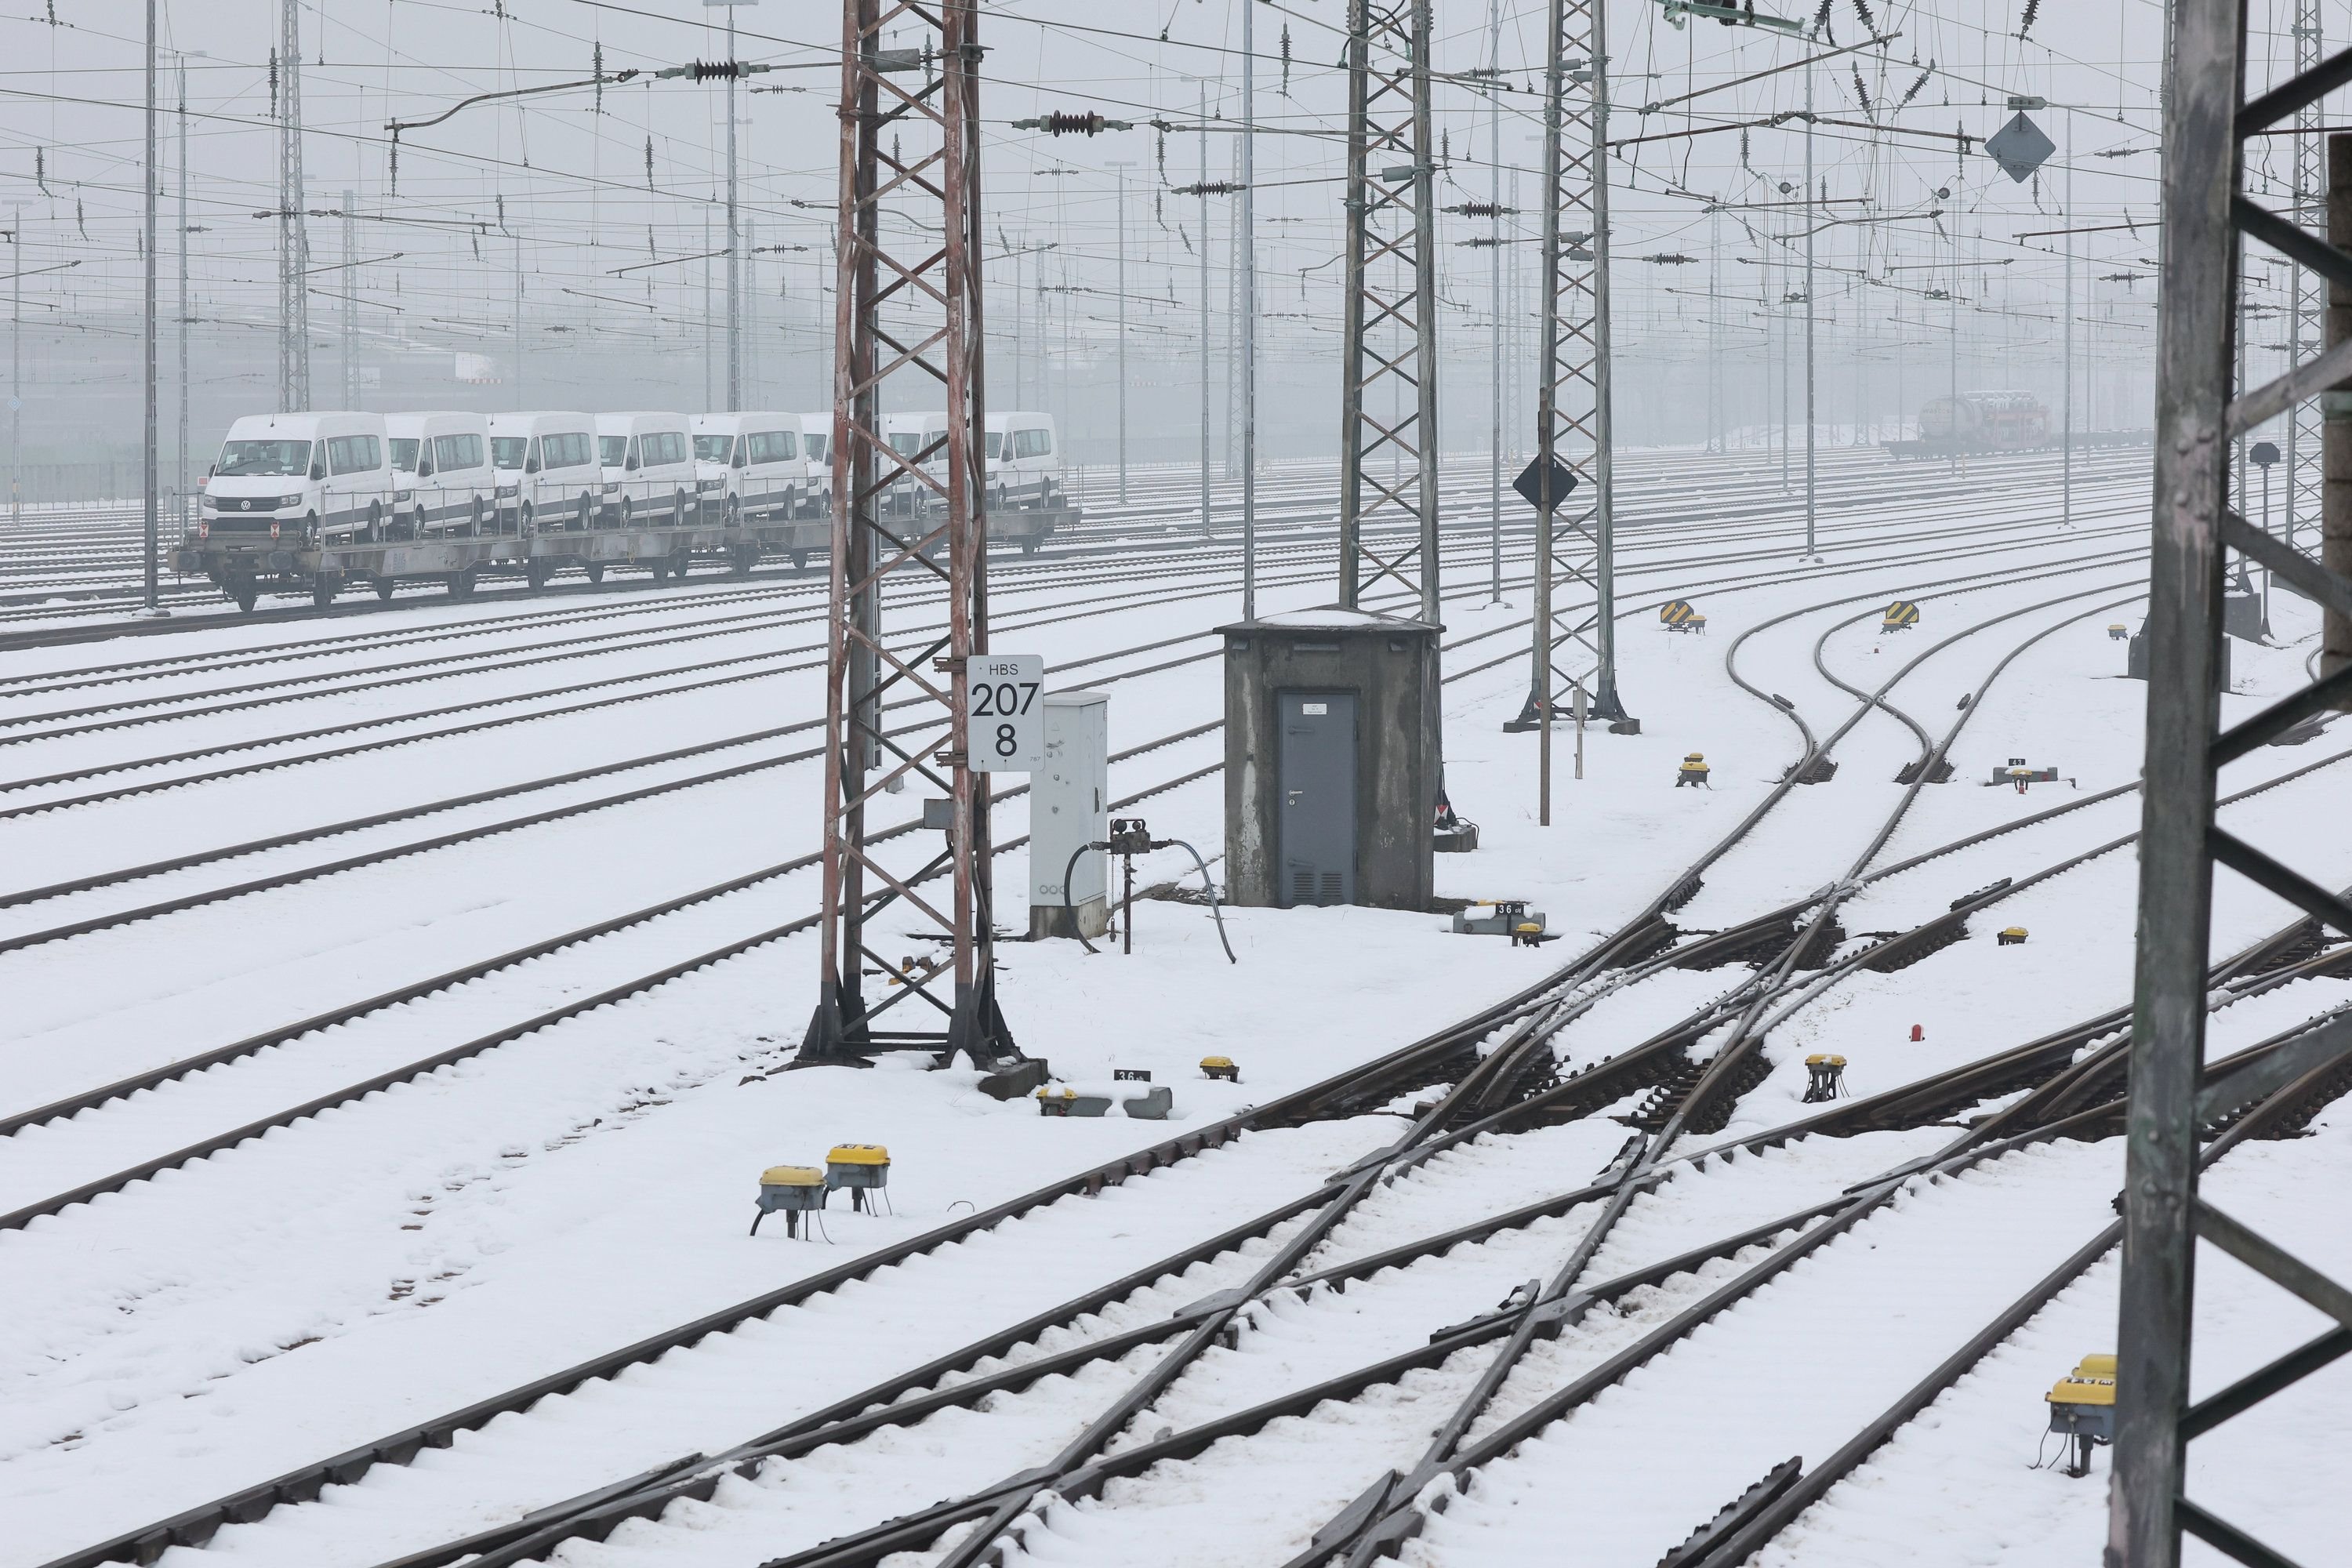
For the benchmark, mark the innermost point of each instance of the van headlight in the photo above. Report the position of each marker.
(510, 489)
(208, 504)
(710, 484)
(290, 500)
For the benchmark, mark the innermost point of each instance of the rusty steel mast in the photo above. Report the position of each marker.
(906, 315)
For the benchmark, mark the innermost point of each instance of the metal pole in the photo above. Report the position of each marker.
(2176, 878)
(152, 393)
(518, 324)
(1207, 528)
(16, 370)
(1715, 435)
(1249, 311)
(1122, 168)
(1495, 298)
(351, 306)
(2066, 338)
(1809, 212)
(181, 487)
(734, 241)
(710, 323)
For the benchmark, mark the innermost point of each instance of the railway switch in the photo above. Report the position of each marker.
(796, 1190)
(1692, 772)
(2011, 936)
(858, 1169)
(1900, 616)
(1681, 616)
(2082, 1408)
(1824, 1078)
(1220, 1068)
(1510, 917)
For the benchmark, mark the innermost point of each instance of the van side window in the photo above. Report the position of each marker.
(569, 450)
(1033, 443)
(456, 452)
(772, 445)
(670, 445)
(353, 454)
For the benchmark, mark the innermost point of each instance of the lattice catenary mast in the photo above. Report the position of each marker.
(2175, 1093)
(293, 239)
(906, 315)
(1575, 539)
(1389, 361)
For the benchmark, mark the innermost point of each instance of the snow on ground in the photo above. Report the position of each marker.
(1981, 1464)
(433, 1244)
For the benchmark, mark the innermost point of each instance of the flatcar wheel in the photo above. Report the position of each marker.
(247, 594)
(595, 569)
(322, 590)
(740, 563)
(384, 588)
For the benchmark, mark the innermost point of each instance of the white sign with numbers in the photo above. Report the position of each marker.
(1006, 720)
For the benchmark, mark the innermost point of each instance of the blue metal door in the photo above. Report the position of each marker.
(1317, 784)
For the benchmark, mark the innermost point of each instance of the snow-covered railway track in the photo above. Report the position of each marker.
(155, 707)
(1460, 1046)
(664, 942)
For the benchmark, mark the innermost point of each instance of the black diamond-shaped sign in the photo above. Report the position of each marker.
(2020, 148)
(1530, 483)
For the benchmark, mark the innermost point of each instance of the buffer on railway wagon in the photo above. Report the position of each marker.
(1900, 616)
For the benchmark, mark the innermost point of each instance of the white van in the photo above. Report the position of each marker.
(748, 465)
(446, 482)
(648, 463)
(816, 451)
(308, 478)
(547, 477)
(909, 435)
(1024, 462)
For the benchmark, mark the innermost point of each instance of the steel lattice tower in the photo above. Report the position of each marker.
(293, 238)
(1575, 534)
(1389, 396)
(2305, 291)
(2175, 1093)
(906, 314)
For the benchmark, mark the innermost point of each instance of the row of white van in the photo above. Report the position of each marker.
(344, 477)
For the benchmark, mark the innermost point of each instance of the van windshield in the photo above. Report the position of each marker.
(403, 455)
(509, 451)
(713, 449)
(265, 458)
(612, 450)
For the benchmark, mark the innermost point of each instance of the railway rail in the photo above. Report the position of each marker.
(1438, 1053)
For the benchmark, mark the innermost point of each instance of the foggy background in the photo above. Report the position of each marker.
(1915, 293)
